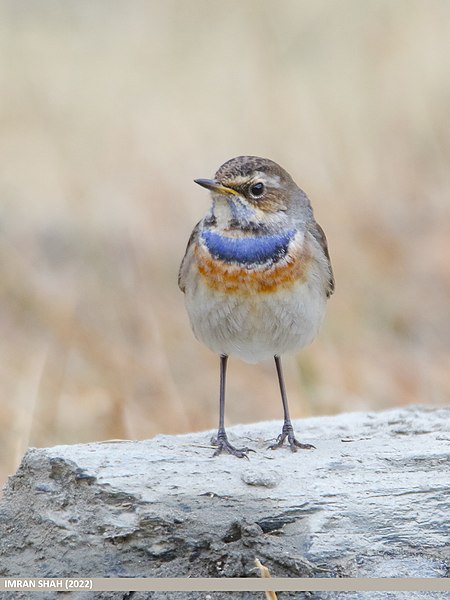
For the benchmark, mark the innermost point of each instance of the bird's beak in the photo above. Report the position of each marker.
(215, 186)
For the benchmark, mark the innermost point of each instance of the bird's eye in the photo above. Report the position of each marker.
(257, 190)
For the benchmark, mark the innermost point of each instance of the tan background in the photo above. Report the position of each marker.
(109, 109)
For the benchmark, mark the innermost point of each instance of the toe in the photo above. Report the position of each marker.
(303, 446)
(225, 446)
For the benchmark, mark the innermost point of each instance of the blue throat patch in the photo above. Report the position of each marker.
(248, 250)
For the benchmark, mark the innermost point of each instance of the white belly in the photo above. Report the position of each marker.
(256, 327)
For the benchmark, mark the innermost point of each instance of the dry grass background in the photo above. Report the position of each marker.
(109, 109)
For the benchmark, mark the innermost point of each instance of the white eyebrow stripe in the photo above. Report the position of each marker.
(239, 180)
(271, 180)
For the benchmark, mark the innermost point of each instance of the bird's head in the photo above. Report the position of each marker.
(249, 192)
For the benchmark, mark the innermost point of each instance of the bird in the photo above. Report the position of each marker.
(256, 276)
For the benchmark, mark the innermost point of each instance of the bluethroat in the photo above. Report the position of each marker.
(256, 274)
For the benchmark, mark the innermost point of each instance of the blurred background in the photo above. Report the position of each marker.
(109, 110)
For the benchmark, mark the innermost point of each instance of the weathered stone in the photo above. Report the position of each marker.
(373, 500)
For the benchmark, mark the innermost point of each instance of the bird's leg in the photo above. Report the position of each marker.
(288, 430)
(221, 441)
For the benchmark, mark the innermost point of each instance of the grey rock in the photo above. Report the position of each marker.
(372, 500)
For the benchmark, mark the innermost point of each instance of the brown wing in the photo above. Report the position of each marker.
(319, 234)
(186, 257)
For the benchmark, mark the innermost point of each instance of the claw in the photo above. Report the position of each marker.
(294, 444)
(223, 445)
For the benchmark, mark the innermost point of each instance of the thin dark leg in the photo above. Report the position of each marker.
(221, 441)
(288, 430)
(223, 376)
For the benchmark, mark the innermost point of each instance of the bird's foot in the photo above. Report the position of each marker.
(294, 444)
(223, 445)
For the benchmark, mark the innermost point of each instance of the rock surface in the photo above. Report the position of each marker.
(373, 500)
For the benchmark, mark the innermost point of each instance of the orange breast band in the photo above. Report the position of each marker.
(236, 279)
